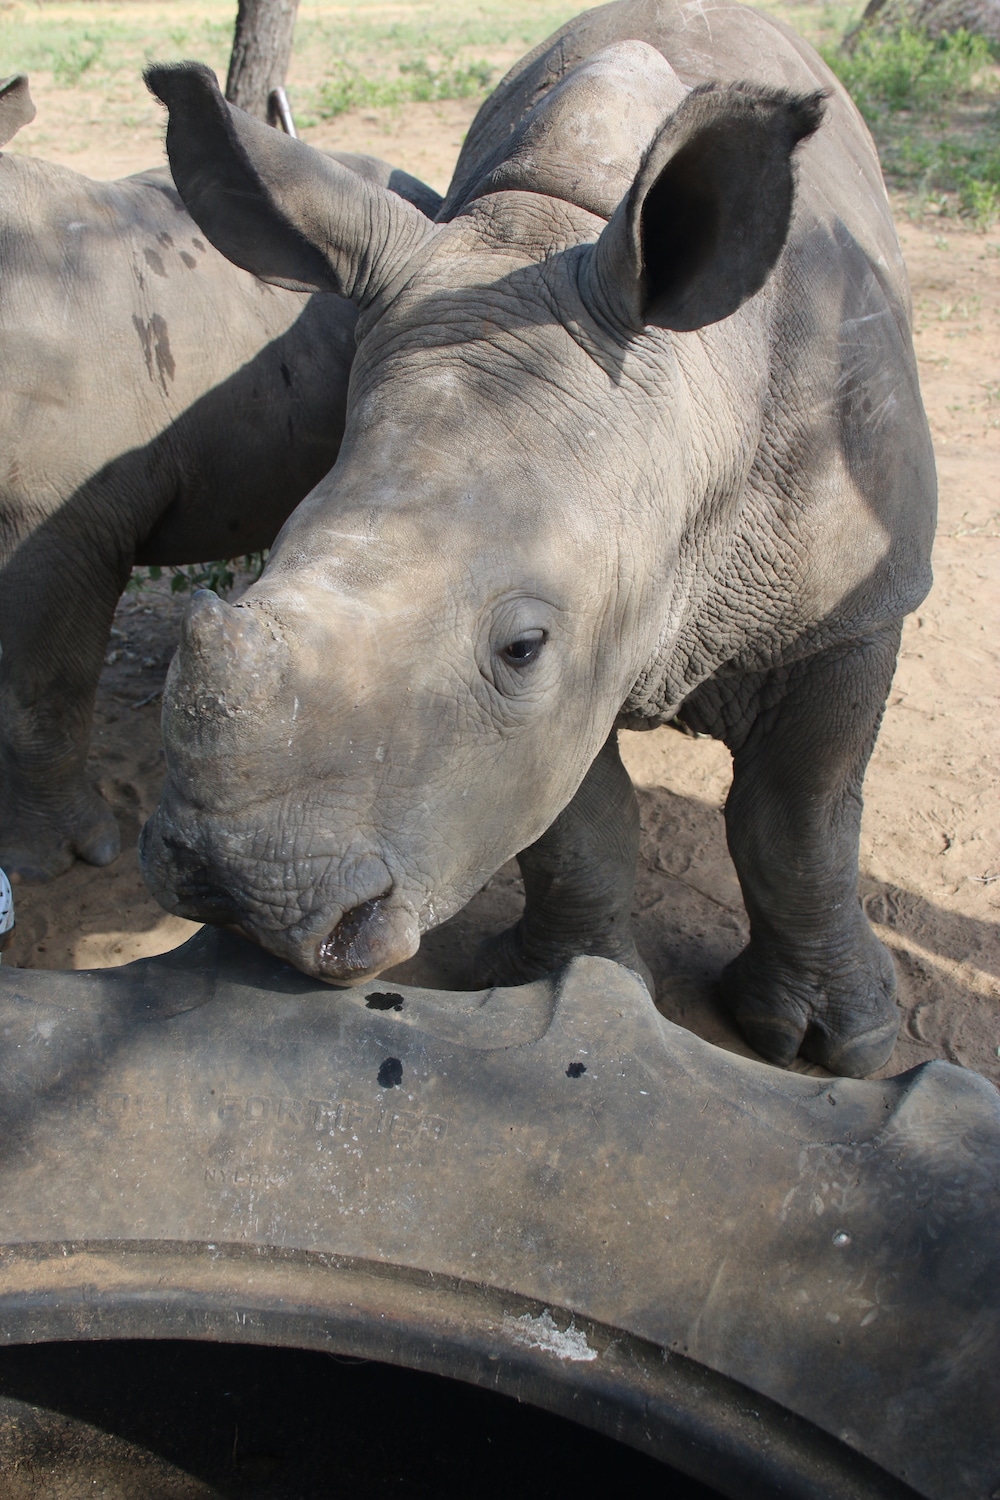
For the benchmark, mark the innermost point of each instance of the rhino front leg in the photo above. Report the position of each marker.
(814, 979)
(56, 608)
(578, 883)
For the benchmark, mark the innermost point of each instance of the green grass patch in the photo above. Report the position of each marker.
(77, 57)
(96, 50)
(931, 105)
(966, 170)
(371, 55)
(419, 81)
(421, 56)
(910, 71)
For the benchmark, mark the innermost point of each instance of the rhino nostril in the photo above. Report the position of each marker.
(194, 890)
(352, 947)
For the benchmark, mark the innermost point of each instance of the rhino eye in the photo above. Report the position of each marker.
(525, 649)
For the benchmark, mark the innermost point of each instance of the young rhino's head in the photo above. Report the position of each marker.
(448, 625)
(354, 747)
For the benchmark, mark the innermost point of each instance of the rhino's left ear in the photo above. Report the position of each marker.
(707, 216)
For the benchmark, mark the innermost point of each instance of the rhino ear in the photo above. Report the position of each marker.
(16, 106)
(271, 204)
(708, 213)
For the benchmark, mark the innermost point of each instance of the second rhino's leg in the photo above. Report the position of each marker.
(56, 608)
(578, 883)
(814, 979)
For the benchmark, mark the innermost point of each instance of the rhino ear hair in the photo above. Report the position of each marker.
(707, 216)
(271, 204)
(17, 107)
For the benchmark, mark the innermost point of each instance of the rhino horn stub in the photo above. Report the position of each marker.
(212, 625)
(227, 649)
(16, 106)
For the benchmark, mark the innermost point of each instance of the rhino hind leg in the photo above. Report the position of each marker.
(814, 980)
(54, 623)
(578, 883)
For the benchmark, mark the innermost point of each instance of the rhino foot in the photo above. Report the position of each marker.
(36, 848)
(846, 1020)
(507, 960)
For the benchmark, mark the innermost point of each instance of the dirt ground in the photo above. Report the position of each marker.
(930, 854)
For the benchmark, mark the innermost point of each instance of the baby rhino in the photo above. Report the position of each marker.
(157, 405)
(633, 434)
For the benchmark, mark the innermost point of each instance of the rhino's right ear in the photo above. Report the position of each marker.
(271, 204)
(708, 213)
(16, 106)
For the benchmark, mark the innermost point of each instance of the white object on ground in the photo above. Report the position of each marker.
(6, 912)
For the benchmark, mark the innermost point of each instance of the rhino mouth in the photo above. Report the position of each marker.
(349, 936)
(353, 949)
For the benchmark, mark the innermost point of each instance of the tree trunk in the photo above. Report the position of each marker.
(262, 47)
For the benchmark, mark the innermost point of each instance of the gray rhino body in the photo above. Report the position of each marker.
(634, 434)
(157, 405)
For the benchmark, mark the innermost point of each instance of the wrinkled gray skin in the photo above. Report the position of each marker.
(628, 438)
(157, 405)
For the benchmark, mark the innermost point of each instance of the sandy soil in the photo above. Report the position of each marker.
(931, 844)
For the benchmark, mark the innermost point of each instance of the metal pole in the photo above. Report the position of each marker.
(279, 112)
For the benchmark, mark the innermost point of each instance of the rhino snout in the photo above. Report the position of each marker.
(370, 937)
